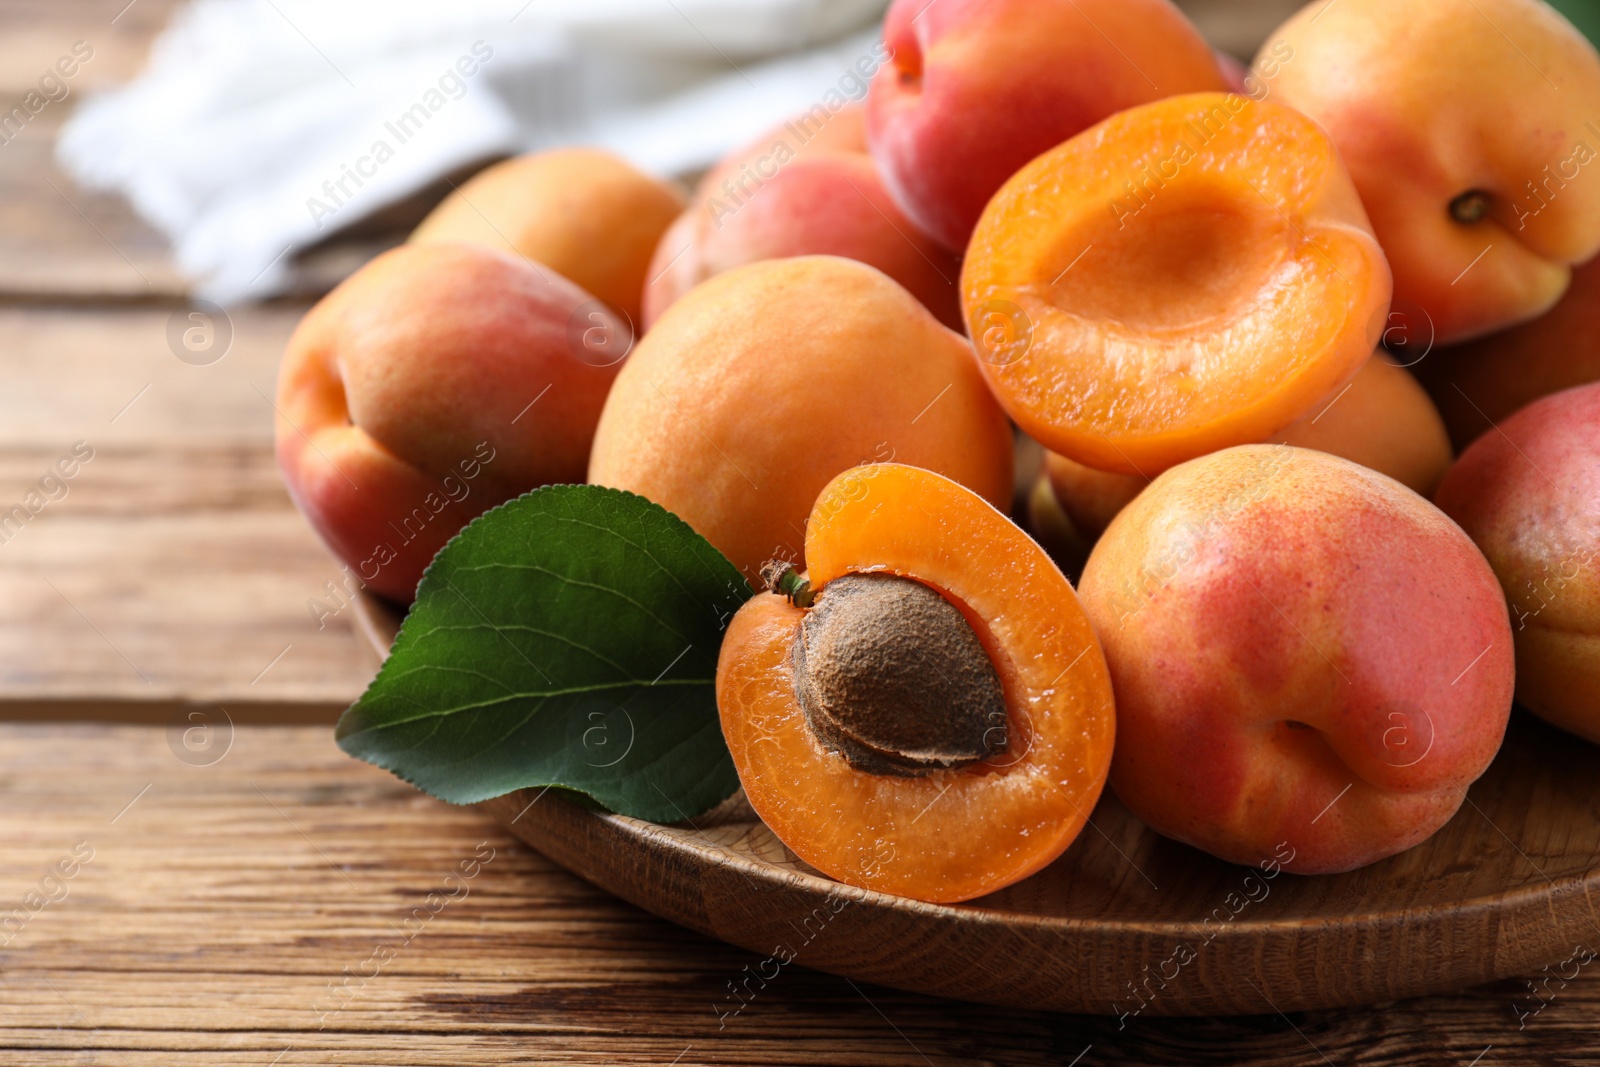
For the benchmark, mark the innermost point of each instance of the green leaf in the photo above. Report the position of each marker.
(568, 638)
(1584, 14)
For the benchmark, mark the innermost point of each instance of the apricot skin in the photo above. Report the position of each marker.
(1382, 420)
(764, 382)
(976, 88)
(1429, 99)
(781, 197)
(404, 402)
(954, 834)
(1529, 496)
(1481, 382)
(1280, 625)
(677, 264)
(586, 214)
(1131, 327)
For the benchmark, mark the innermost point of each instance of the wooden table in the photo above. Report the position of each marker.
(243, 893)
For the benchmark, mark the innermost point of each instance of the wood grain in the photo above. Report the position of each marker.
(175, 570)
(64, 243)
(218, 908)
(1089, 934)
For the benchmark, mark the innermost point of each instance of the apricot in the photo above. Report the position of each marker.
(1303, 651)
(1481, 382)
(1529, 496)
(738, 174)
(434, 383)
(1382, 420)
(977, 88)
(798, 191)
(938, 722)
(759, 386)
(586, 214)
(1469, 127)
(1187, 275)
(1071, 505)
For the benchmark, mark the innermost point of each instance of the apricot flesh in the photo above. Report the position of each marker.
(949, 835)
(584, 213)
(760, 385)
(1303, 651)
(1187, 275)
(1529, 495)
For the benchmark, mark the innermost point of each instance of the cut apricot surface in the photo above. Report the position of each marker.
(946, 835)
(1188, 275)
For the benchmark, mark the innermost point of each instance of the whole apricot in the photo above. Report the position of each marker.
(1306, 656)
(1481, 382)
(926, 712)
(760, 385)
(801, 189)
(586, 214)
(1529, 495)
(1470, 128)
(976, 88)
(1382, 420)
(434, 383)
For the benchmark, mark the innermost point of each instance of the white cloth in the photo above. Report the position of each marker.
(259, 127)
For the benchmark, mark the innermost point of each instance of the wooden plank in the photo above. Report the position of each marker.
(110, 376)
(174, 570)
(221, 901)
(65, 243)
(206, 607)
(39, 32)
(61, 239)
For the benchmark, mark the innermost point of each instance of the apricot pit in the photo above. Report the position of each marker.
(892, 677)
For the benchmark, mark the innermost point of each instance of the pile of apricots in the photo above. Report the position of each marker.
(1246, 317)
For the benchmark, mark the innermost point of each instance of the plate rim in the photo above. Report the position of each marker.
(1254, 939)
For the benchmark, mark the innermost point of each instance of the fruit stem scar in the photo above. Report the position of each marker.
(1470, 207)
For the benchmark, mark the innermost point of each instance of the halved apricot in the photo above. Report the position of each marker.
(964, 804)
(1188, 275)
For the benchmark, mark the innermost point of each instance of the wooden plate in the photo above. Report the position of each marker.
(1127, 921)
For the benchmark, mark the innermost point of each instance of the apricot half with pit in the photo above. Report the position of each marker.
(926, 711)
